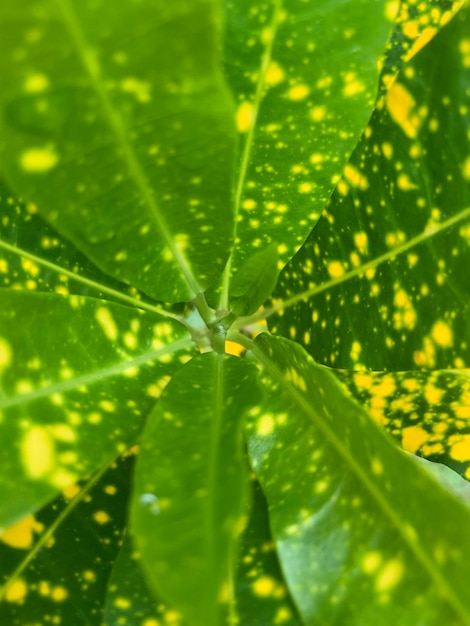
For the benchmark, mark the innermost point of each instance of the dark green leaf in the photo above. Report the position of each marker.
(384, 267)
(365, 535)
(118, 125)
(427, 412)
(254, 281)
(190, 487)
(77, 378)
(55, 565)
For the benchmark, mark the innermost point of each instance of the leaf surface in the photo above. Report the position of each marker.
(381, 274)
(363, 533)
(123, 135)
(305, 79)
(77, 379)
(427, 412)
(190, 486)
(255, 281)
(79, 532)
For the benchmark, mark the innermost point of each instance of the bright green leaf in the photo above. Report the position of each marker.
(78, 377)
(356, 543)
(190, 486)
(254, 281)
(305, 78)
(119, 127)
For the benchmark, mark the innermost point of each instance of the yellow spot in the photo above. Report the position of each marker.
(274, 74)
(16, 592)
(245, 117)
(371, 562)
(101, 517)
(138, 88)
(466, 168)
(391, 10)
(108, 406)
(249, 204)
(122, 603)
(264, 586)
(20, 535)
(38, 160)
(283, 614)
(413, 438)
(463, 412)
(460, 451)
(151, 622)
(335, 269)
(35, 83)
(234, 348)
(353, 87)
(442, 334)
(400, 104)
(70, 492)
(63, 432)
(265, 425)
(387, 150)
(389, 576)
(305, 187)
(299, 92)
(411, 29)
(317, 114)
(432, 394)
(37, 452)
(361, 242)
(59, 594)
(404, 182)
(111, 490)
(63, 479)
(355, 177)
(5, 354)
(89, 575)
(130, 341)
(107, 323)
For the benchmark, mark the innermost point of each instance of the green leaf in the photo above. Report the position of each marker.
(356, 542)
(254, 282)
(305, 79)
(379, 284)
(449, 479)
(261, 594)
(80, 532)
(35, 257)
(190, 485)
(427, 412)
(415, 26)
(77, 379)
(123, 135)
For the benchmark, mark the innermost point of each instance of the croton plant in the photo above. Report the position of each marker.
(234, 312)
